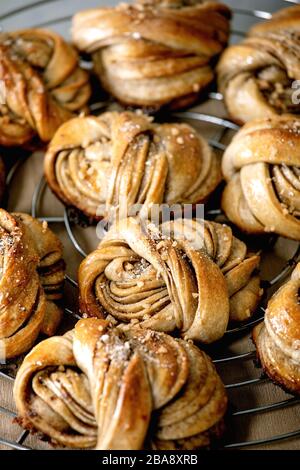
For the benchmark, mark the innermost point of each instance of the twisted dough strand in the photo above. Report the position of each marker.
(277, 339)
(153, 53)
(43, 83)
(256, 75)
(117, 160)
(99, 386)
(167, 281)
(262, 169)
(32, 275)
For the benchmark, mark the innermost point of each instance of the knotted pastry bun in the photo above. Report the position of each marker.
(117, 160)
(262, 170)
(32, 276)
(256, 76)
(277, 339)
(120, 389)
(154, 53)
(189, 276)
(43, 83)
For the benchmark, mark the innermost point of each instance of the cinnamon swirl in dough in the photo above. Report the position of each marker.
(32, 276)
(188, 276)
(155, 52)
(120, 389)
(277, 339)
(44, 85)
(262, 170)
(256, 76)
(118, 161)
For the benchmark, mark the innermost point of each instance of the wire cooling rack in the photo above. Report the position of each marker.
(223, 354)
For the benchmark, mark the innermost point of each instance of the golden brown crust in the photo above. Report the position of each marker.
(277, 339)
(262, 170)
(32, 276)
(43, 83)
(111, 388)
(256, 75)
(153, 53)
(117, 160)
(166, 280)
(285, 19)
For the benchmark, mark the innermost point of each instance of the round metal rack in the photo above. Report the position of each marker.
(221, 127)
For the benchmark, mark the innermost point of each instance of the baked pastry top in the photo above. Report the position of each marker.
(262, 170)
(122, 160)
(43, 84)
(154, 53)
(165, 278)
(256, 76)
(277, 339)
(117, 388)
(32, 276)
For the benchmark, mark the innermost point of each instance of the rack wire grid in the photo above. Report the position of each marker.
(222, 354)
